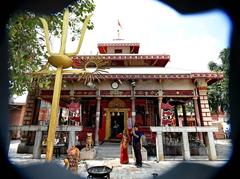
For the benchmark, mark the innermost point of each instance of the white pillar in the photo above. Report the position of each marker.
(211, 146)
(37, 145)
(159, 109)
(186, 149)
(159, 146)
(80, 114)
(133, 111)
(71, 138)
(97, 121)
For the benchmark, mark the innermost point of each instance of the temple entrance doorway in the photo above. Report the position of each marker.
(121, 118)
(117, 124)
(116, 118)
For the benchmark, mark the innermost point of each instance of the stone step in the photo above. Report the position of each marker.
(115, 152)
(110, 155)
(110, 150)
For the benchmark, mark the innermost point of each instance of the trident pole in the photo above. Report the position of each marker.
(61, 61)
(54, 114)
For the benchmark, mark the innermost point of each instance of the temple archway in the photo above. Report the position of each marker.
(116, 111)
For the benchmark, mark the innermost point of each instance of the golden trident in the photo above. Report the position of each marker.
(59, 60)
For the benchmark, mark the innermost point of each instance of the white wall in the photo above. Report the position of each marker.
(177, 85)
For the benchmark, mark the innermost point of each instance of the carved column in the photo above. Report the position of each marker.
(196, 110)
(133, 84)
(159, 109)
(97, 121)
(176, 116)
(184, 115)
(80, 113)
(197, 115)
(133, 111)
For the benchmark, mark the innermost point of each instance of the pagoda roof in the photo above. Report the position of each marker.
(209, 77)
(134, 47)
(124, 60)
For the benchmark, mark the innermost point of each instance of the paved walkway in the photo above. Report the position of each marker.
(149, 169)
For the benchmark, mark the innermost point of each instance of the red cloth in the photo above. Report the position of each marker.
(119, 136)
(166, 106)
(73, 107)
(124, 151)
(77, 119)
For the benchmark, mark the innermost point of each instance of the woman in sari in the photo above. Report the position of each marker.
(124, 148)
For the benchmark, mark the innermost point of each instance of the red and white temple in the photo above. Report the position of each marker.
(97, 102)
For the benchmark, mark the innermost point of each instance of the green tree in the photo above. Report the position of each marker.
(218, 92)
(27, 45)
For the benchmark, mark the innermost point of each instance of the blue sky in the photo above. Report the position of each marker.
(191, 40)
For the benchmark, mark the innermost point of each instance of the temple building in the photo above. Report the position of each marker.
(106, 102)
(16, 114)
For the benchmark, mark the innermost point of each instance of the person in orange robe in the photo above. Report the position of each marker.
(124, 148)
(73, 159)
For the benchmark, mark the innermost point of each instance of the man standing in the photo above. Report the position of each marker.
(137, 146)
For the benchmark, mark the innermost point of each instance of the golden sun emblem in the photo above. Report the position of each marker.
(93, 67)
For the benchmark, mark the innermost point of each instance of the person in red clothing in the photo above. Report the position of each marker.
(124, 148)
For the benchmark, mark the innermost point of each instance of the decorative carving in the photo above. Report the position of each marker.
(116, 103)
(167, 117)
(213, 78)
(177, 92)
(124, 60)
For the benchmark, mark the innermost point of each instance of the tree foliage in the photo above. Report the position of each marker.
(218, 92)
(27, 45)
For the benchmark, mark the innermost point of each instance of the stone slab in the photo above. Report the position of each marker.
(88, 154)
